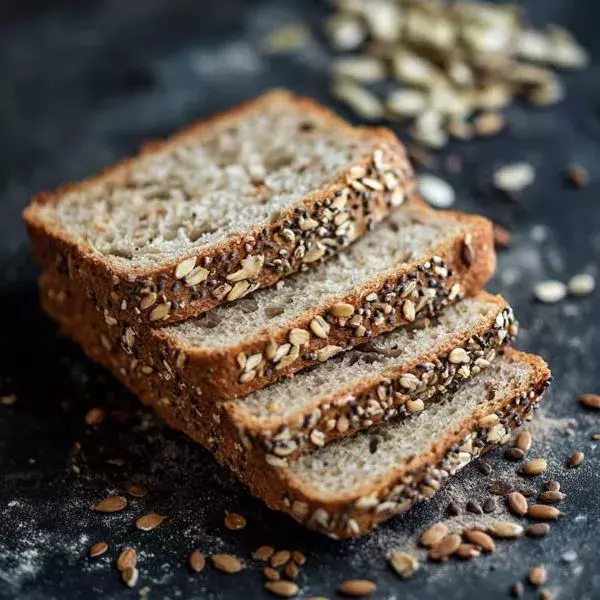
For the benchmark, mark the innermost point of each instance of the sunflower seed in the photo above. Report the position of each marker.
(436, 191)
(578, 176)
(550, 291)
(445, 548)
(538, 575)
(480, 539)
(283, 589)
(327, 352)
(160, 311)
(127, 559)
(251, 266)
(517, 504)
(196, 276)
(226, 563)
(361, 68)
(299, 337)
(458, 356)
(149, 521)
(185, 267)
(98, 549)
(543, 512)
(360, 100)
(403, 564)
(406, 102)
(197, 561)
(535, 466)
(357, 588)
(575, 460)
(234, 522)
(514, 178)
(409, 311)
(320, 327)
(581, 285)
(345, 32)
(110, 504)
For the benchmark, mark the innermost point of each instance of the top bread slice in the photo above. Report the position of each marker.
(415, 264)
(232, 204)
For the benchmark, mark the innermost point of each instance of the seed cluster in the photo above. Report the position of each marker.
(396, 393)
(304, 237)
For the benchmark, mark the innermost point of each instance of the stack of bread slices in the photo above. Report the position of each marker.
(268, 282)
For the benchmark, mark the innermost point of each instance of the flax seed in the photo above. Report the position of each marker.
(517, 589)
(517, 504)
(95, 416)
(291, 570)
(298, 558)
(553, 486)
(130, 576)
(467, 551)
(136, 490)
(514, 454)
(544, 512)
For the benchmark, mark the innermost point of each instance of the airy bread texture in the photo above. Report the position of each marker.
(230, 205)
(417, 263)
(396, 376)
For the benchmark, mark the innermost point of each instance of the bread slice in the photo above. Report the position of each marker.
(416, 263)
(229, 205)
(394, 376)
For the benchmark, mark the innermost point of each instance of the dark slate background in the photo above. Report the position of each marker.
(83, 84)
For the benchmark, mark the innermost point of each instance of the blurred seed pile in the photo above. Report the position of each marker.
(448, 68)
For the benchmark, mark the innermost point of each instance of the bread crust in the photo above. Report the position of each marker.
(361, 195)
(222, 374)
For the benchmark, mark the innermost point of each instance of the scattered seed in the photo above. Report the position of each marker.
(467, 551)
(474, 507)
(263, 554)
(596, 437)
(487, 124)
(489, 505)
(498, 487)
(538, 530)
(271, 574)
(506, 530)
(502, 237)
(98, 549)
(298, 558)
(127, 559)
(95, 416)
(291, 570)
(403, 564)
(454, 509)
(514, 178)
(483, 466)
(110, 504)
(577, 175)
(185, 267)
(538, 575)
(445, 548)
(543, 512)
(517, 589)
(197, 561)
(433, 535)
(280, 558)
(130, 576)
(436, 191)
(517, 504)
(283, 589)
(234, 522)
(569, 557)
(480, 539)
(523, 441)
(551, 497)
(515, 454)
(550, 291)
(575, 460)
(581, 284)
(535, 466)
(360, 100)
(136, 490)
(553, 486)
(591, 401)
(547, 595)
(357, 588)
(227, 563)
(149, 522)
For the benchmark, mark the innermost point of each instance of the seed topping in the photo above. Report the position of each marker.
(227, 563)
(98, 549)
(149, 522)
(110, 504)
(197, 561)
(234, 522)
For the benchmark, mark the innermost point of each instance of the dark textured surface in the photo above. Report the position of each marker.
(83, 84)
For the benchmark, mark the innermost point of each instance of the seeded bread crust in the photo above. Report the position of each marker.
(315, 228)
(399, 392)
(460, 267)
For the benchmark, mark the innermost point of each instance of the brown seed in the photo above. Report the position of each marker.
(498, 487)
(291, 570)
(454, 509)
(553, 486)
(197, 561)
(433, 535)
(403, 564)
(357, 588)
(591, 401)
(517, 504)
(474, 507)
(130, 576)
(137, 490)
(283, 589)
(538, 530)
(547, 595)
(110, 504)
(98, 549)
(95, 416)
(514, 454)
(149, 522)
(298, 557)
(551, 497)
(467, 551)
(227, 563)
(446, 548)
(523, 441)
(543, 512)
(480, 539)
(271, 574)
(575, 460)
(538, 575)
(506, 530)
(517, 589)
(263, 554)
(280, 558)
(483, 466)
(502, 237)
(489, 506)
(577, 176)
(234, 522)
(535, 466)
(127, 559)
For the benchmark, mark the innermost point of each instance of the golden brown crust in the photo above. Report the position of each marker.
(122, 292)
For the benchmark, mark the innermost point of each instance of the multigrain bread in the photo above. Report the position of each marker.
(229, 205)
(416, 263)
(394, 376)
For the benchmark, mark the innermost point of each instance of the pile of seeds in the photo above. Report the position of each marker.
(448, 68)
